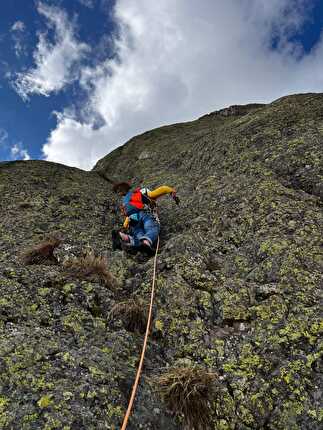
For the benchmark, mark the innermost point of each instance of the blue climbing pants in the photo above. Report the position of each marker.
(147, 227)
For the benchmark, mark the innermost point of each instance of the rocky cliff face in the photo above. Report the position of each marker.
(239, 280)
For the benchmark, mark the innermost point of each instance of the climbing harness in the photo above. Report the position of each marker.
(135, 385)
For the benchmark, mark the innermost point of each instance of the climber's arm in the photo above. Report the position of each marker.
(161, 191)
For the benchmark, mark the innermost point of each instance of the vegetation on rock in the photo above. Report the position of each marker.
(90, 267)
(188, 392)
(133, 313)
(42, 253)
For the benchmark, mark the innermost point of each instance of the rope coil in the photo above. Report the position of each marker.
(139, 370)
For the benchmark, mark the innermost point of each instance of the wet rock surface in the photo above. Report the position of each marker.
(239, 284)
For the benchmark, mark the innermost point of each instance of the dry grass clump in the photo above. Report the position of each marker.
(91, 267)
(42, 253)
(133, 313)
(188, 392)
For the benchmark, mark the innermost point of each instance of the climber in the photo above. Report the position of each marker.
(141, 222)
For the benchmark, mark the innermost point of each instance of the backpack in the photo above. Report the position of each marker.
(136, 201)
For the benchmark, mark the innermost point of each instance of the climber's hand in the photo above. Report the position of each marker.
(175, 198)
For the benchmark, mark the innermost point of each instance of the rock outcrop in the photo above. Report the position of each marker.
(239, 282)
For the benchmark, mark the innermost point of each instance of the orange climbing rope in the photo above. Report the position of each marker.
(135, 385)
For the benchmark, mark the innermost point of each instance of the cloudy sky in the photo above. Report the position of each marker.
(80, 77)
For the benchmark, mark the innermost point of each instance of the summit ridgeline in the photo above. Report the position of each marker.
(235, 342)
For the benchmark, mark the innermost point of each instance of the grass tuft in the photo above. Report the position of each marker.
(188, 393)
(91, 267)
(42, 253)
(133, 313)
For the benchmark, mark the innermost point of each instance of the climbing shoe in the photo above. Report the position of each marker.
(146, 247)
(116, 240)
(124, 237)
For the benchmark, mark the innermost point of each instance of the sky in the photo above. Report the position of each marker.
(78, 78)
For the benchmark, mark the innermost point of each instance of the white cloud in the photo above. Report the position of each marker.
(87, 3)
(18, 152)
(178, 60)
(14, 150)
(55, 63)
(24, 154)
(18, 36)
(66, 132)
(18, 26)
(3, 137)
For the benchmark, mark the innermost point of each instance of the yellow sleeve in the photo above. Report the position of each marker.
(126, 222)
(160, 191)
